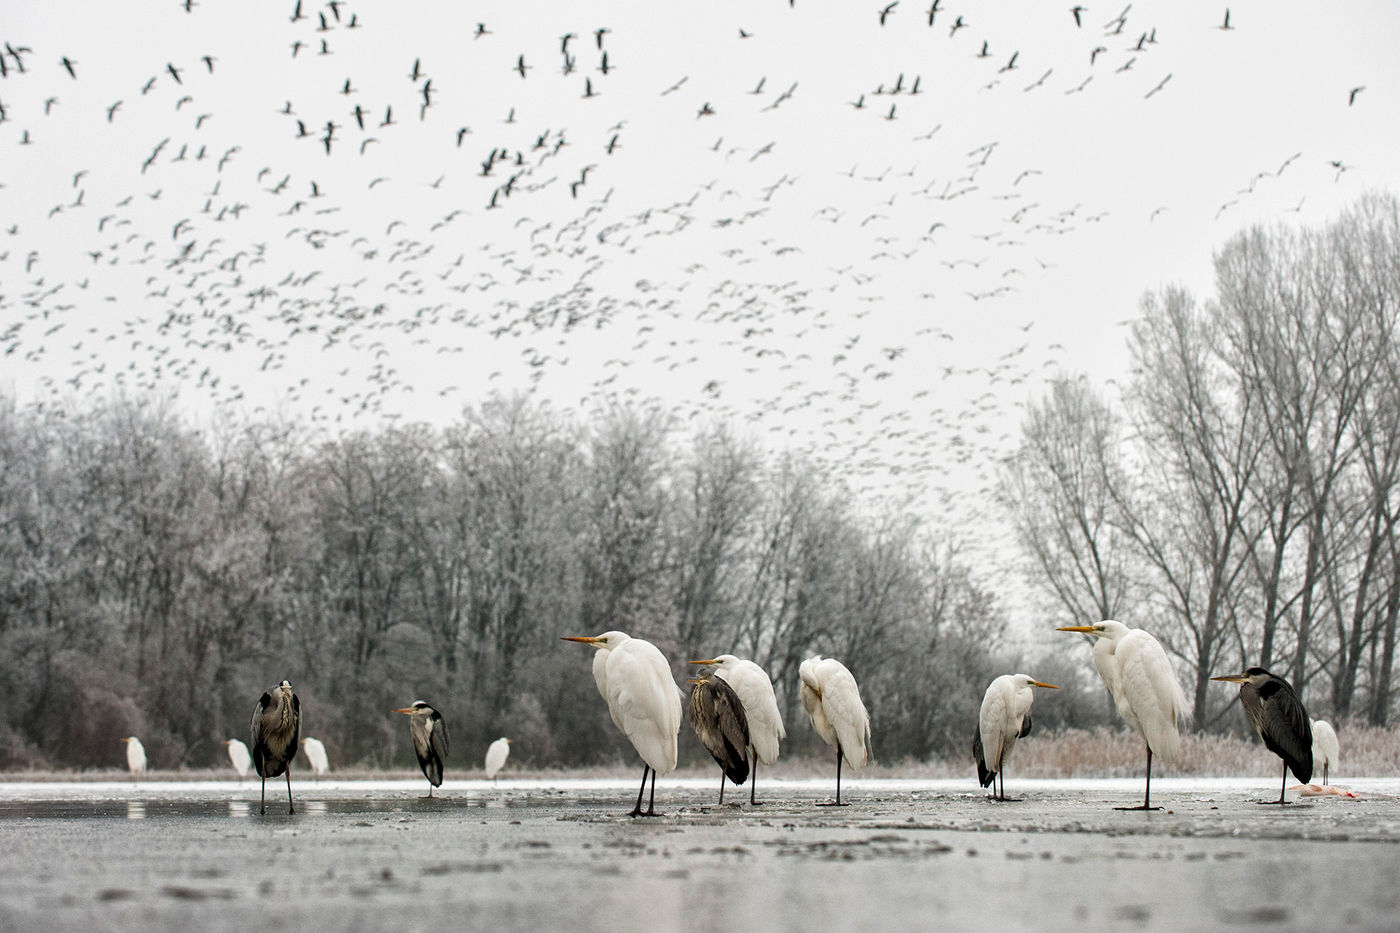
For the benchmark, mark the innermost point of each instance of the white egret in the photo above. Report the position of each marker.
(276, 723)
(1004, 717)
(239, 757)
(1138, 674)
(496, 754)
(316, 754)
(717, 715)
(135, 756)
(832, 700)
(1325, 748)
(755, 691)
(633, 677)
(429, 732)
(1280, 719)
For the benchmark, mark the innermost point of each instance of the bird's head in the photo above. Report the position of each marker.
(719, 660)
(286, 687)
(1108, 628)
(1027, 681)
(1253, 675)
(417, 706)
(608, 640)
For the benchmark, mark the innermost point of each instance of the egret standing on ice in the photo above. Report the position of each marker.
(496, 754)
(643, 700)
(717, 715)
(316, 754)
(760, 706)
(1135, 668)
(429, 732)
(276, 722)
(1325, 748)
(1280, 719)
(832, 701)
(135, 756)
(239, 757)
(1005, 716)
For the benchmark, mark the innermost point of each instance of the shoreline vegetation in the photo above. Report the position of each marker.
(1069, 753)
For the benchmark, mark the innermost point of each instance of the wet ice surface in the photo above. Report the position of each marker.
(561, 854)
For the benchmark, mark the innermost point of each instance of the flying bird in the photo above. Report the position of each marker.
(1325, 748)
(1351, 98)
(496, 754)
(1139, 676)
(1004, 717)
(429, 733)
(274, 728)
(643, 700)
(760, 703)
(1278, 716)
(832, 700)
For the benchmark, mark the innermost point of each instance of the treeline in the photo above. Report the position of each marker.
(1239, 496)
(156, 578)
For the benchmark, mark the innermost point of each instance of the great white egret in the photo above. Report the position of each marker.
(832, 701)
(1005, 716)
(135, 756)
(1280, 719)
(760, 706)
(717, 715)
(239, 757)
(316, 754)
(496, 754)
(633, 677)
(276, 723)
(429, 732)
(1135, 668)
(1325, 748)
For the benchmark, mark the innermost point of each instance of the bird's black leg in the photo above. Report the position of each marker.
(1147, 795)
(637, 810)
(838, 802)
(651, 801)
(1324, 775)
(753, 780)
(291, 808)
(1283, 787)
(721, 788)
(262, 803)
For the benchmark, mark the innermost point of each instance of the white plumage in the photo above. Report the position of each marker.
(755, 691)
(135, 756)
(643, 700)
(1324, 748)
(496, 754)
(1135, 668)
(832, 700)
(1005, 710)
(316, 754)
(239, 757)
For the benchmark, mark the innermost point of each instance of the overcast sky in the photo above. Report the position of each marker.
(869, 240)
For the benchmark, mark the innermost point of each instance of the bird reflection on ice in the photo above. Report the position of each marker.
(239, 809)
(136, 809)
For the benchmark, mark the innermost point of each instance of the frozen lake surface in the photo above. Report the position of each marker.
(560, 854)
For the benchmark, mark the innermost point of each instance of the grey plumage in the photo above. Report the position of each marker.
(429, 732)
(1279, 717)
(717, 716)
(273, 732)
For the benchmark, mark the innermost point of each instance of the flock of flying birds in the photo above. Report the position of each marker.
(841, 229)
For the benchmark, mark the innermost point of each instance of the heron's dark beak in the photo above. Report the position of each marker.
(1233, 678)
(1036, 683)
(695, 680)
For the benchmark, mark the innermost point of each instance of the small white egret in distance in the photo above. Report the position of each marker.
(1135, 668)
(1280, 719)
(496, 754)
(135, 756)
(429, 733)
(755, 692)
(274, 729)
(717, 715)
(832, 700)
(1004, 717)
(239, 757)
(633, 677)
(315, 751)
(1325, 749)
